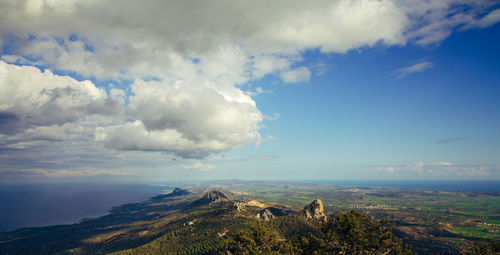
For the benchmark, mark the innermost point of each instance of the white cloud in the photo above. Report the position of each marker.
(389, 169)
(300, 74)
(118, 94)
(71, 146)
(194, 29)
(430, 22)
(321, 68)
(189, 63)
(200, 166)
(108, 44)
(486, 21)
(272, 117)
(29, 97)
(415, 68)
(185, 118)
(259, 90)
(441, 163)
(263, 64)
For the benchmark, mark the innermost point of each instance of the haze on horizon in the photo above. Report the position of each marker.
(194, 90)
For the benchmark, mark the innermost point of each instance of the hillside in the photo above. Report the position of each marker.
(197, 222)
(213, 220)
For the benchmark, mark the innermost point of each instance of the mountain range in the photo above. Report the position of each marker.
(200, 221)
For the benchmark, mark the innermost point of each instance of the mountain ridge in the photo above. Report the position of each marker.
(183, 221)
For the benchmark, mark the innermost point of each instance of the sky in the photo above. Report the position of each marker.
(152, 91)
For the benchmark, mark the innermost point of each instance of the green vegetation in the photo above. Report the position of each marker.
(348, 233)
(490, 247)
(430, 220)
(218, 230)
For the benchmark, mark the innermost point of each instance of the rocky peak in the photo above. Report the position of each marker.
(215, 197)
(212, 197)
(315, 210)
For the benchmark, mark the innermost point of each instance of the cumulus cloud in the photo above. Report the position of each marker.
(415, 68)
(70, 147)
(29, 98)
(185, 118)
(118, 94)
(200, 166)
(438, 169)
(94, 38)
(132, 46)
(187, 62)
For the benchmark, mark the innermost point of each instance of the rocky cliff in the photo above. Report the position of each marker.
(315, 211)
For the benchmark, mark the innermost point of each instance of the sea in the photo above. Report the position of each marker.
(42, 204)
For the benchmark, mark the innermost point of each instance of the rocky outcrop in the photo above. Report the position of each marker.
(279, 210)
(215, 197)
(210, 198)
(265, 215)
(240, 206)
(223, 233)
(273, 212)
(315, 211)
(256, 203)
(190, 223)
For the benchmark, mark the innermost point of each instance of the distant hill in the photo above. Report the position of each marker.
(174, 193)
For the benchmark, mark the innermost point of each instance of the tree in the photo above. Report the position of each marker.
(490, 247)
(348, 233)
(258, 240)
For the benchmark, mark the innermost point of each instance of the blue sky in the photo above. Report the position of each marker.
(365, 117)
(332, 90)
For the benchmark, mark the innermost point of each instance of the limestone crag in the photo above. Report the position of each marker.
(215, 197)
(240, 206)
(315, 211)
(210, 198)
(273, 212)
(265, 215)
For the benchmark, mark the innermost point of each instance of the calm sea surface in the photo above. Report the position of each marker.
(31, 205)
